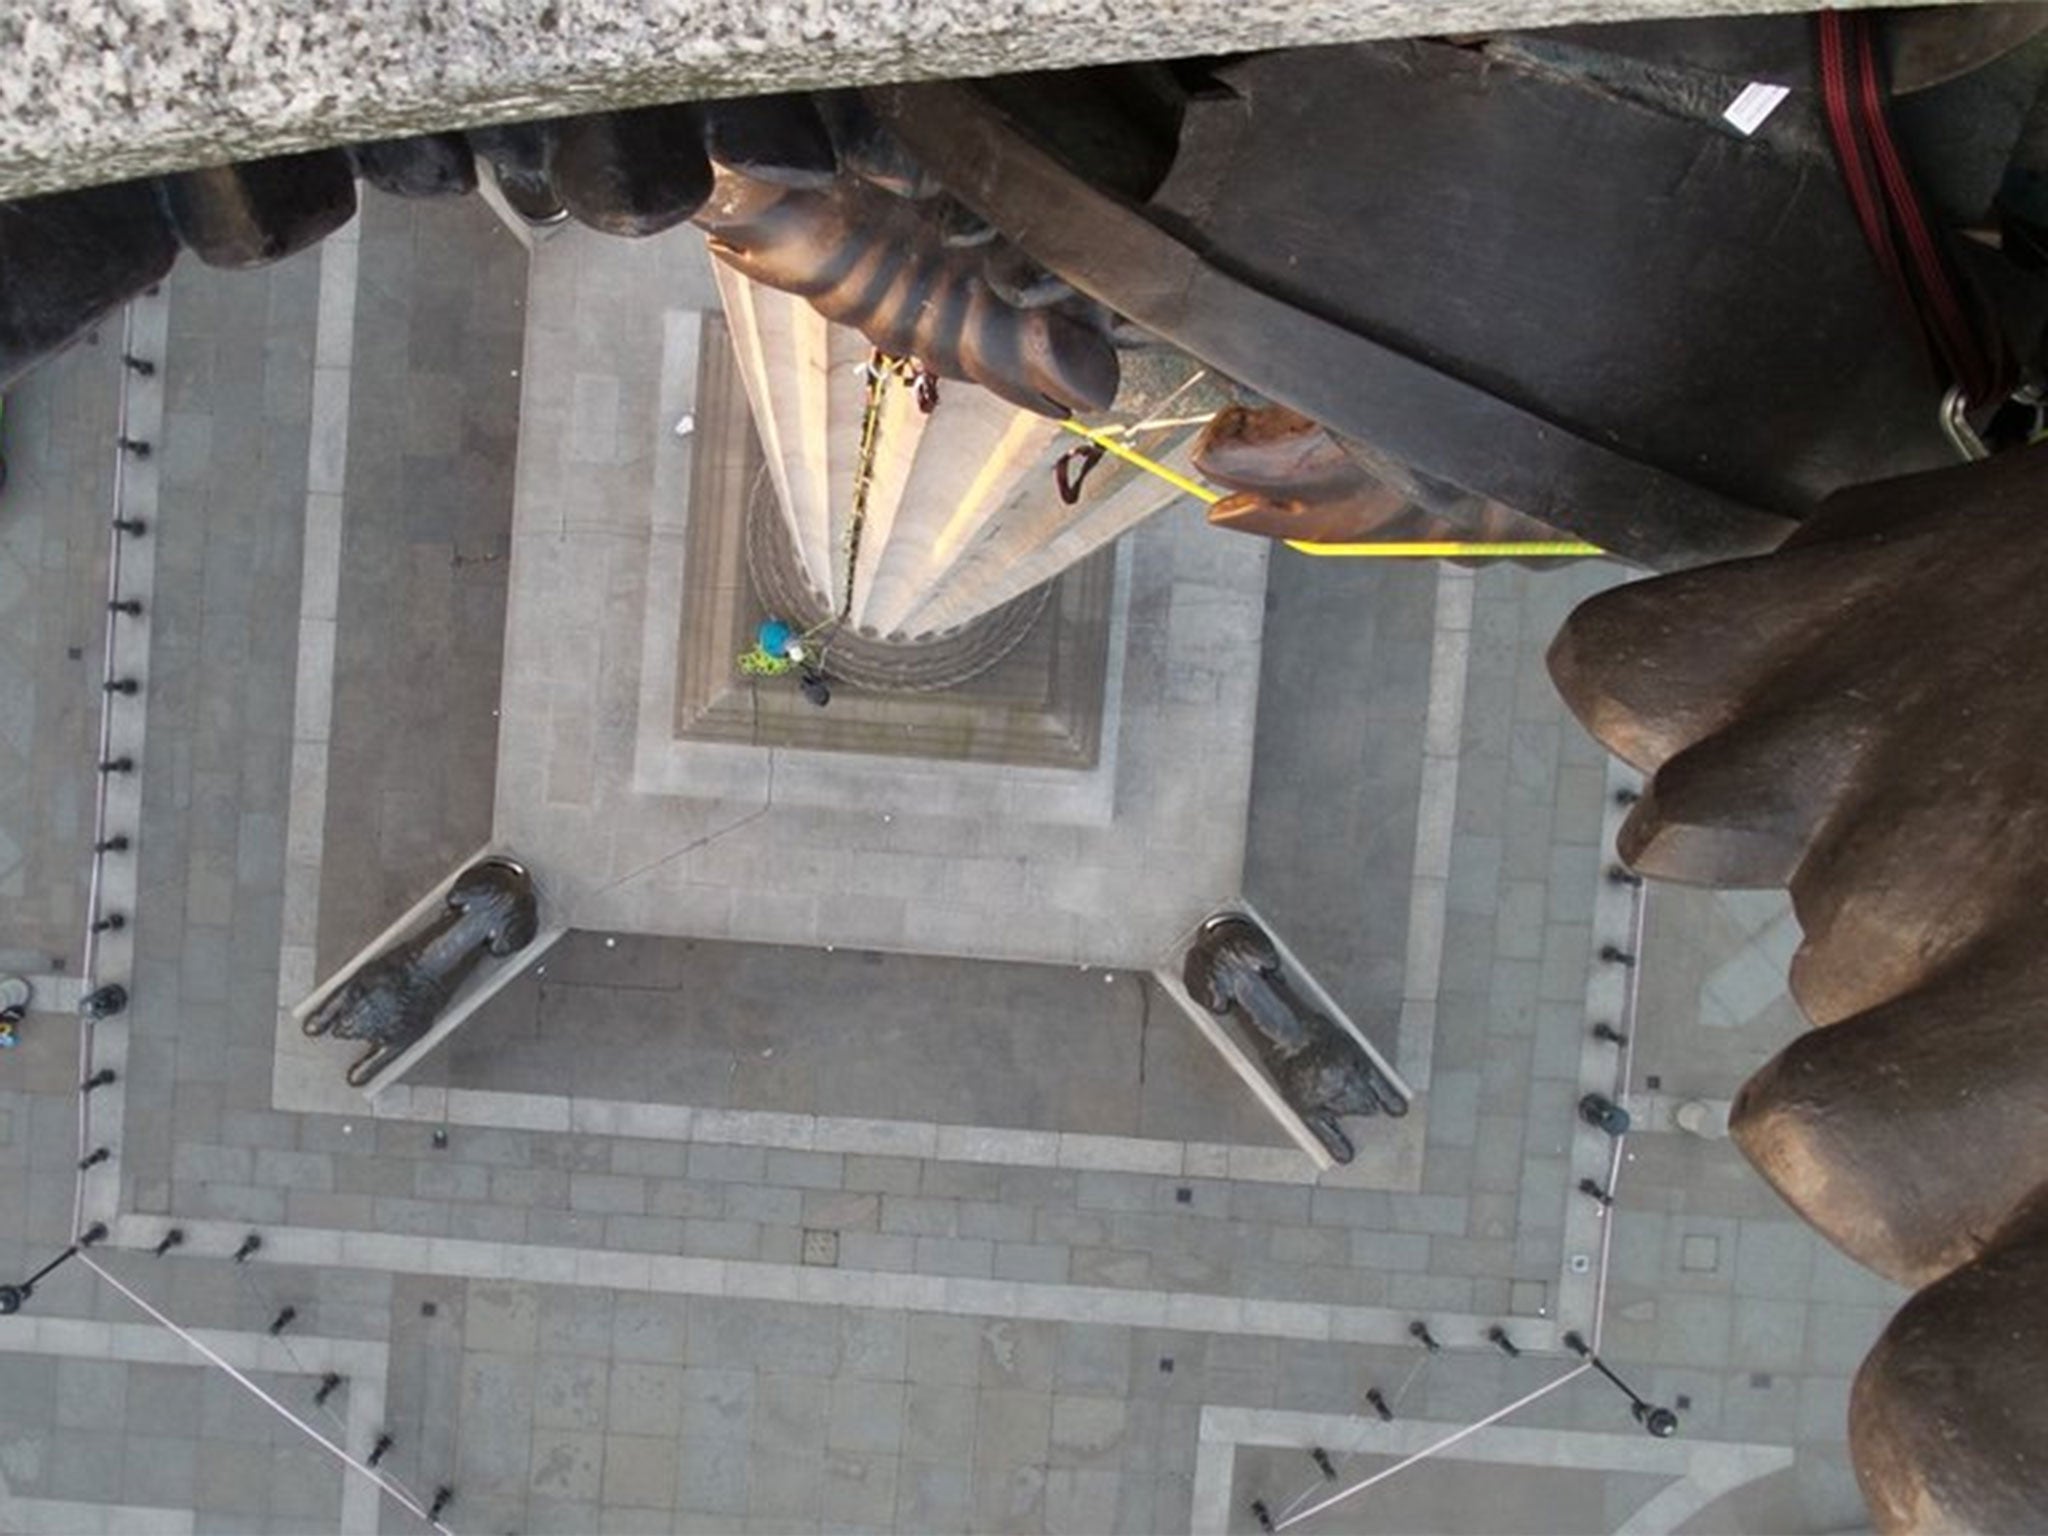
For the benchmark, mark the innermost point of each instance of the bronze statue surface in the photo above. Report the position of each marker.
(1859, 717)
(1291, 478)
(1324, 1074)
(1947, 1416)
(396, 997)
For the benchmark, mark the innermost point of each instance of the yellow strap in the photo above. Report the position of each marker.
(1422, 550)
(1414, 550)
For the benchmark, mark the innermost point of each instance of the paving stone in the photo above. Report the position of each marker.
(572, 1392)
(1087, 1431)
(840, 1210)
(1012, 1428)
(1017, 1354)
(882, 1175)
(640, 1471)
(198, 1163)
(859, 1489)
(91, 1394)
(1694, 1330)
(939, 1422)
(764, 1205)
(415, 1218)
(970, 1257)
(1390, 1250)
(640, 1234)
(567, 1464)
(1310, 1245)
(988, 1219)
(1038, 1263)
(607, 1194)
(1769, 1333)
(678, 1197)
(496, 1423)
(645, 1159)
(645, 1398)
(1774, 1259)
(806, 1170)
(879, 1251)
(1009, 1497)
(451, 1181)
(1838, 1337)
(1116, 1192)
(163, 1400)
(648, 1327)
(920, 1218)
(728, 1165)
(784, 1491)
(867, 1417)
(1434, 1214)
(722, 1239)
(575, 1320)
(933, 1496)
(960, 1181)
(1353, 1208)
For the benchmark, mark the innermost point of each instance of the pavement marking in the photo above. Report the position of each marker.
(1443, 732)
(68, 1517)
(1705, 1469)
(111, 955)
(1610, 996)
(319, 599)
(568, 1114)
(747, 1280)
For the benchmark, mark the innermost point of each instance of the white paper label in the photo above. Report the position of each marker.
(1757, 101)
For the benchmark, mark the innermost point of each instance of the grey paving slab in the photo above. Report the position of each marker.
(1343, 692)
(723, 1025)
(58, 440)
(425, 536)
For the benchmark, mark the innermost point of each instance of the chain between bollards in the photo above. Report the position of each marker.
(1657, 1421)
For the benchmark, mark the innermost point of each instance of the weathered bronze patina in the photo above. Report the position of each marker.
(1859, 717)
(1324, 1074)
(1291, 478)
(1947, 1415)
(396, 997)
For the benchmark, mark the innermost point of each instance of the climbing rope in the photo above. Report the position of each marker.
(882, 367)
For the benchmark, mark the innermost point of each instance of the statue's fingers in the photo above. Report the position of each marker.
(1652, 667)
(1947, 1419)
(1741, 806)
(1908, 1134)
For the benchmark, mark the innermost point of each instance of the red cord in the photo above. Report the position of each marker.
(1862, 136)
